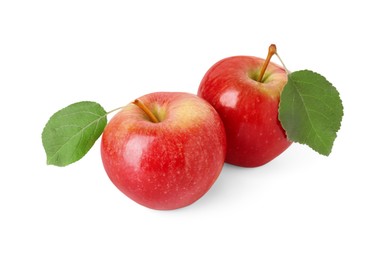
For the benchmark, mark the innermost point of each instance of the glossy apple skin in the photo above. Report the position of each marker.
(170, 164)
(248, 108)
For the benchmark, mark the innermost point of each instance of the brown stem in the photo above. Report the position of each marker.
(272, 51)
(141, 105)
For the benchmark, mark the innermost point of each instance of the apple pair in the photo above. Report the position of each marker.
(166, 149)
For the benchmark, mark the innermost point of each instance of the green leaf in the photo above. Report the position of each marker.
(72, 131)
(311, 110)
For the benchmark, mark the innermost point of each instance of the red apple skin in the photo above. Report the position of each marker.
(169, 164)
(248, 108)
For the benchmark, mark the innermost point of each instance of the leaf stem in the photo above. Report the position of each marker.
(286, 70)
(141, 105)
(272, 51)
(111, 111)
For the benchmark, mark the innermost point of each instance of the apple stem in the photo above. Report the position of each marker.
(143, 107)
(272, 51)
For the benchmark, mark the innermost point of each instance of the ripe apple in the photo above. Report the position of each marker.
(165, 150)
(245, 91)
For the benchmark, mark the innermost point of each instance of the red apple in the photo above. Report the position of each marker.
(248, 107)
(165, 150)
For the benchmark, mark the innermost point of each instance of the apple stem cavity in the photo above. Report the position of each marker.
(272, 51)
(143, 107)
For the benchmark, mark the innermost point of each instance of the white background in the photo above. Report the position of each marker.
(299, 206)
